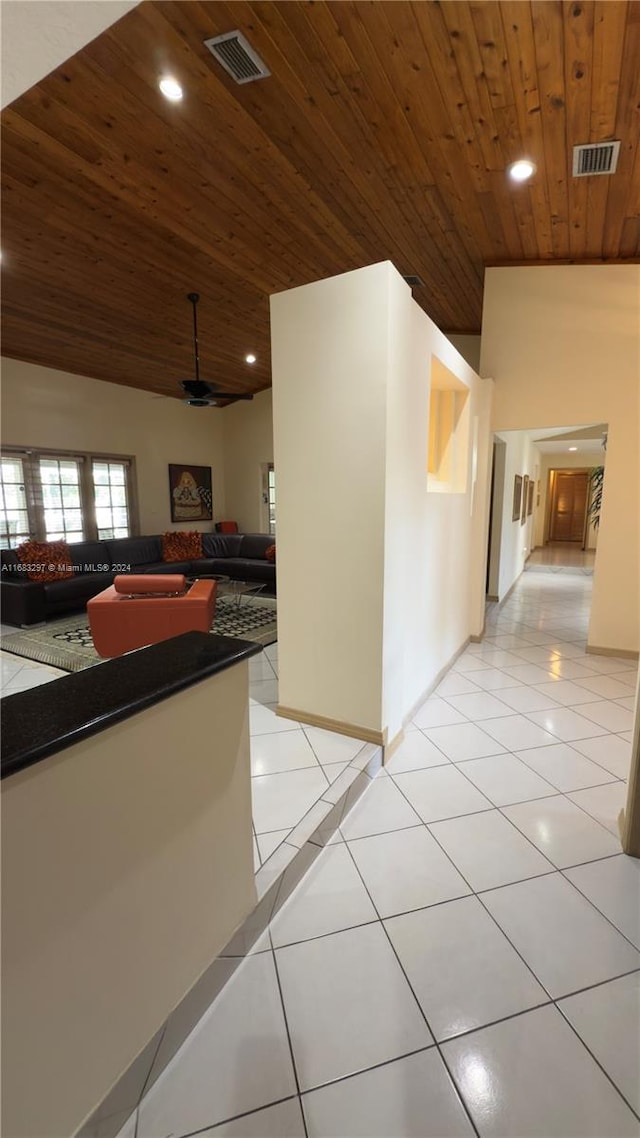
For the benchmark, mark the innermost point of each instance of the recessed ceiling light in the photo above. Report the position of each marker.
(521, 170)
(170, 88)
(250, 359)
(573, 448)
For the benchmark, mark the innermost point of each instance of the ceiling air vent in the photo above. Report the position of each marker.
(237, 56)
(595, 158)
(414, 282)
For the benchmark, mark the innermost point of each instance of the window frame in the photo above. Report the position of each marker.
(31, 456)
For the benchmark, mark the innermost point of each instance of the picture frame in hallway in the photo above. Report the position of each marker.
(517, 498)
(532, 487)
(525, 497)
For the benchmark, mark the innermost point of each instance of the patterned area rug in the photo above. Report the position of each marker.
(67, 643)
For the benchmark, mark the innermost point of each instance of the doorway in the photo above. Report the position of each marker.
(494, 537)
(568, 498)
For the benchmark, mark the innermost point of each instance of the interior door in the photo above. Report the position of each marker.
(569, 505)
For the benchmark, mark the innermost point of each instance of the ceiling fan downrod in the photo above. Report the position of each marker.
(194, 297)
(200, 393)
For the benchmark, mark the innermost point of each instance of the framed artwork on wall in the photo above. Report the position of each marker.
(532, 486)
(191, 493)
(517, 498)
(525, 497)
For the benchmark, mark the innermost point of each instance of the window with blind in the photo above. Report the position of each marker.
(60, 486)
(271, 492)
(111, 498)
(14, 519)
(53, 496)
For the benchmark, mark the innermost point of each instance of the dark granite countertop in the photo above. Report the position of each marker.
(46, 719)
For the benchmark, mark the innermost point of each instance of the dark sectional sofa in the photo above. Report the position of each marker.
(95, 564)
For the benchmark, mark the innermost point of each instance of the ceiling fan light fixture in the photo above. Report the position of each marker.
(521, 170)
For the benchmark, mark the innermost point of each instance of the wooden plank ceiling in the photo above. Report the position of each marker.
(383, 132)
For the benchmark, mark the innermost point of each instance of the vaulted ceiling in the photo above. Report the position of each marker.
(383, 132)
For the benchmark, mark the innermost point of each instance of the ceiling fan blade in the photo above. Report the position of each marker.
(198, 392)
(230, 396)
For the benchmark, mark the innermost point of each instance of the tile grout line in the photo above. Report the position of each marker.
(289, 770)
(602, 857)
(593, 904)
(554, 1002)
(286, 1024)
(497, 808)
(613, 778)
(437, 904)
(553, 869)
(555, 790)
(418, 1004)
(367, 1070)
(423, 732)
(235, 1118)
(597, 1061)
(592, 816)
(498, 926)
(557, 868)
(145, 1085)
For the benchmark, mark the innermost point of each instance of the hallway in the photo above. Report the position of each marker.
(462, 958)
(562, 554)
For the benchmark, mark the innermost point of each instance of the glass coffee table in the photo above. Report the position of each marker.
(231, 591)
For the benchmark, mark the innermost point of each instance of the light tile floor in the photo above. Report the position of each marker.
(463, 957)
(561, 554)
(292, 765)
(18, 674)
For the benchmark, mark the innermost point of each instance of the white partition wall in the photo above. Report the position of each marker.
(380, 562)
(329, 347)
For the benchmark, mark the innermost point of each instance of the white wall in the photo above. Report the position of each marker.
(46, 408)
(435, 542)
(39, 35)
(563, 462)
(248, 445)
(376, 576)
(562, 343)
(516, 540)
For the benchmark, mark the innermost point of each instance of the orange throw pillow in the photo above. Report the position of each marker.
(182, 545)
(270, 553)
(46, 560)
